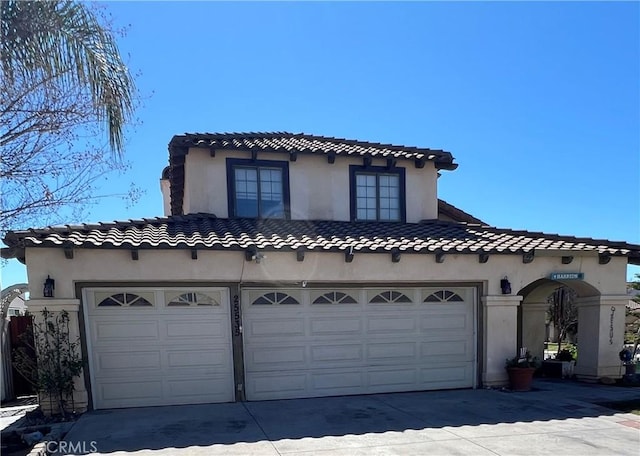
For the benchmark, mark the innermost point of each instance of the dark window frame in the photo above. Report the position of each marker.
(233, 163)
(377, 170)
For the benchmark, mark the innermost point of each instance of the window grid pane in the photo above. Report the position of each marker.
(366, 202)
(378, 197)
(271, 194)
(259, 192)
(246, 192)
(389, 204)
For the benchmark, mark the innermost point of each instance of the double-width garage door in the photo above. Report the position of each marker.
(320, 342)
(158, 346)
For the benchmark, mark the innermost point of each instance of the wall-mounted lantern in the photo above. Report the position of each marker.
(49, 286)
(505, 285)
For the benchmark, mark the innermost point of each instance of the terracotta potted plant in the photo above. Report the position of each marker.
(521, 369)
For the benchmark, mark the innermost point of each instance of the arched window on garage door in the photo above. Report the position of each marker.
(190, 298)
(443, 296)
(125, 300)
(390, 297)
(335, 297)
(275, 297)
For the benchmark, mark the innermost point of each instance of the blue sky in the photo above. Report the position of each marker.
(538, 102)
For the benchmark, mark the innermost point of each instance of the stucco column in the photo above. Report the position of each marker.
(500, 336)
(533, 327)
(600, 336)
(72, 306)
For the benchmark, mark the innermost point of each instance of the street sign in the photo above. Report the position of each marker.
(567, 276)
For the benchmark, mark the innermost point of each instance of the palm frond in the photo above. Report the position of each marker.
(65, 40)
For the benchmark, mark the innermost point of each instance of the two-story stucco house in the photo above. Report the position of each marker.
(290, 266)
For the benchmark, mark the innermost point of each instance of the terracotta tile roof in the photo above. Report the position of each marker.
(449, 210)
(308, 144)
(292, 144)
(205, 231)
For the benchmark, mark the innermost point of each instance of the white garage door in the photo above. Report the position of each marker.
(311, 342)
(159, 346)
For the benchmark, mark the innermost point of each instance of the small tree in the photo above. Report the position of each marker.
(58, 360)
(632, 319)
(63, 85)
(563, 313)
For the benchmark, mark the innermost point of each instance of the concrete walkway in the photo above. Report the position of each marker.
(556, 418)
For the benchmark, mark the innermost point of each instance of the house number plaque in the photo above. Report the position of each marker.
(237, 328)
(613, 311)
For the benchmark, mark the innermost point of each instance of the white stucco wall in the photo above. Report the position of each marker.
(497, 331)
(165, 189)
(318, 190)
(228, 266)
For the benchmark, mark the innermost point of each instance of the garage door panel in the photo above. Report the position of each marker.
(395, 377)
(195, 390)
(275, 358)
(195, 328)
(121, 391)
(331, 326)
(446, 374)
(118, 363)
(203, 358)
(456, 349)
(391, 324)
(396, 343)
(118, 331)
(277, 328)
(334, 382)
(278, 385)
(444, 322)
(397, 352)
(159, 355)
(349, 352)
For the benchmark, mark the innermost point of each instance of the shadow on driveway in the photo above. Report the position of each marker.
(460, 419)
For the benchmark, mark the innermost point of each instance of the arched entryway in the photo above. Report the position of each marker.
(600, 323)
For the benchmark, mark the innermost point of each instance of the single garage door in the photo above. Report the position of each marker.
(158, 346)
(336, 341)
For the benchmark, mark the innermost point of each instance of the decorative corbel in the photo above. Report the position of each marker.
(567, 259)
(68, 252)
(395, 256)
(300, 255)
(348, 256)
(250, 253)
(483, 257)
(604, 258)
(440, 257)
(134, 254)
(194, 254)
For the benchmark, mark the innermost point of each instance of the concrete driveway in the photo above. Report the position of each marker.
(557, 416)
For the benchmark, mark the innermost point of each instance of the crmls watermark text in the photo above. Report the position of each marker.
(79, 447)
